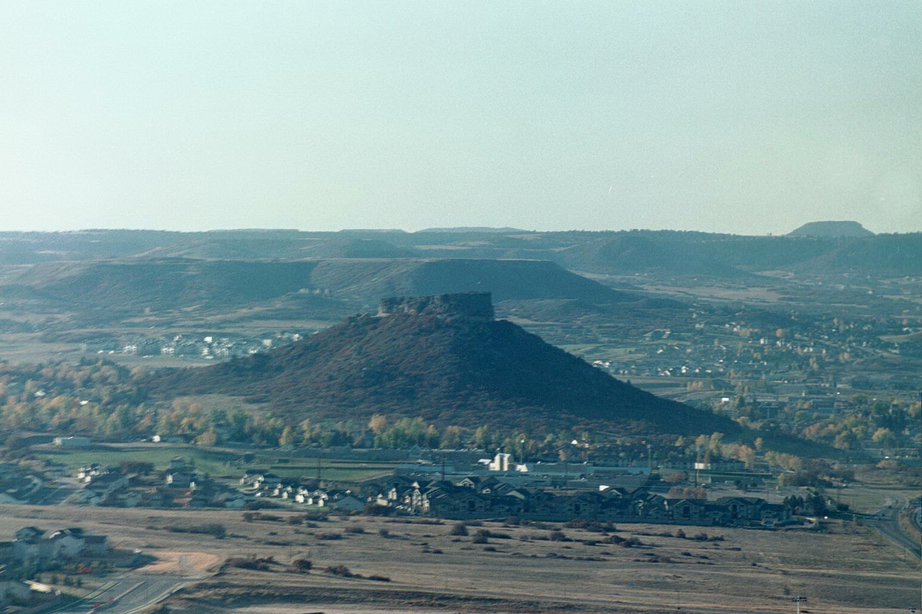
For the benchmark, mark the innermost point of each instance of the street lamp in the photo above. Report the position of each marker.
(797, 601)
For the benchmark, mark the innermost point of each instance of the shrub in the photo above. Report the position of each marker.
(459, 529)
(590, 525)
(219, 531)
(302, 565)
(630, 542)
(557, 536)
(373, 509)
(480, 537)
(252, 562)
(339, 570)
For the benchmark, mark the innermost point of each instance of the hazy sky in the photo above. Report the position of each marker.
(746, 117)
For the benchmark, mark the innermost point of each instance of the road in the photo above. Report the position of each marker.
(131, 593)
(887, 521)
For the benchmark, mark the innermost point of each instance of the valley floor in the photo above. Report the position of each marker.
(378, 565)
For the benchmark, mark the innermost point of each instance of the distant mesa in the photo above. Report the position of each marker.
(360, 248)
(843, 229)
(471, 229)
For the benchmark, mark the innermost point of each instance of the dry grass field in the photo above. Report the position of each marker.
(423, 566)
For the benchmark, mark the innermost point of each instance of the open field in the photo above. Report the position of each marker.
(841, 569)
(216, 461)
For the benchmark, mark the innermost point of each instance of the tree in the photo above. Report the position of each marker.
(208, 438)
(287, 438)
(483, 438)
(845, 440)
(378, 424)
(816, 503)
(747, 455)
(451, 438)
(884, 437)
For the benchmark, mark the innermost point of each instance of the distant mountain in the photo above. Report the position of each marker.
(633, 253)
(654, 253)
(127, 287)
(445, 359)
(897, 254)
(157, 285)
(506, 279)
(474, 229)
(831, 230)
(359, 248)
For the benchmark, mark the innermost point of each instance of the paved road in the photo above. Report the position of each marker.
(130, 593)
(887, 521)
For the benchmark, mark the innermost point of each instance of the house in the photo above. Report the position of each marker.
(47, 546)
(179, 478)
(128, 498)
(101, 485)
(741, 510)
(66, 543)
(96, 545)
(13, 591)
(774, 513)
(235, 501)
(649, 506)
(501, 462)
(348, 503)
(40, 548)
(691, 511)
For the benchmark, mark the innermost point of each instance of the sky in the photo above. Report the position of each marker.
(719, 116)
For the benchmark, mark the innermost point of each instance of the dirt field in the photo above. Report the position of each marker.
(843, 569)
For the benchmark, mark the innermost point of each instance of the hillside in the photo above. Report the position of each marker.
(627, 254)
(813, 247)
(366, 280)
(130, 286)
(449, 369)
(158, 285)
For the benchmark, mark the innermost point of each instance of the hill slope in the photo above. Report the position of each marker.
(631, 253)
(461, 370)
(165, 284)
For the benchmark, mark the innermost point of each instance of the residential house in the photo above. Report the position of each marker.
(39, 547)
(13, 591)
(348, 503)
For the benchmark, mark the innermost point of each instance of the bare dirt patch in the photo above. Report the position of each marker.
(184, 563)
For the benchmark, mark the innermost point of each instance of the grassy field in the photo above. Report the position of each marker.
(217, 462)
(844, 569)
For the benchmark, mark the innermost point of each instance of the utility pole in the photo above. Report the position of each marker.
(797, 601)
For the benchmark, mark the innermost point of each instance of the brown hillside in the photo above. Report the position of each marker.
(449, 369)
